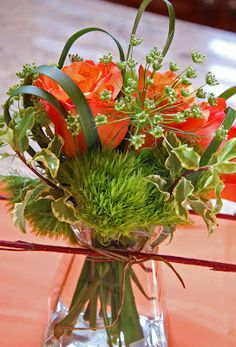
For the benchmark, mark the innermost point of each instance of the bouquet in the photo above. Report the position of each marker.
(116, 148)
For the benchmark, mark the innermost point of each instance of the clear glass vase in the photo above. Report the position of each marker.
(113, 304)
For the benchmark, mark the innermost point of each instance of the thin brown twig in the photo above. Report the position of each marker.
(3, 197)
(26, 246)
(49, 183)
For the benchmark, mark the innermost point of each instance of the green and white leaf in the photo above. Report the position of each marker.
(182, 191)
(26, 123)
(50, 194)
(160, 183)
(212, 181)
(173, 164)
(205, 210)
(218, 205)
(55, 146)
(171, 141)
(226, 167)
(188, 158)
(18, 212)
(49, 160)
(21, 130)
(6, 137)
(64, 210)
(227, 152)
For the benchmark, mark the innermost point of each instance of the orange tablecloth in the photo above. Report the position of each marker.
(203, 315)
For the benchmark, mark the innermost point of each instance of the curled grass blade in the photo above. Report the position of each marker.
(32, 90)
(171, 31)
(228, 93)
(80, 33)
(74, 92)
(140, 12)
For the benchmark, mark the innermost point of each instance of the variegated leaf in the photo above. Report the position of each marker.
(227, 152)
(188, 158)
(226, 167)
(64, 210)
(21, 140)
(49, 160)
(182, 192)
(173, 164)
(171, 141)
(55, 146)
(160, 183)
(205, 210)
(19, 212)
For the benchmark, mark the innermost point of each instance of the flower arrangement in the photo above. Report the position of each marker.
(117, 148)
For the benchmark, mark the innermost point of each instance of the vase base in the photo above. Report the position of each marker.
(153, 330)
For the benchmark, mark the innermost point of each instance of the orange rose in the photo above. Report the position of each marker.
(157, 90)
(91, 78)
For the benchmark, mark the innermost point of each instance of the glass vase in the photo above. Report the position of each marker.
(109, 303)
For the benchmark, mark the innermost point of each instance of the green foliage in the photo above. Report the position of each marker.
(182, 191)
(37, 212)
(187, 157)
(227, 152)
(153, 162)
(19, 212)
(113, 195)
(172, 163)
(226, 167)
(16, 187)
(21, 130)
(6, 137)
(49, 160)
(64, 210)
(44, 223)
(204, 209)
(216, 141)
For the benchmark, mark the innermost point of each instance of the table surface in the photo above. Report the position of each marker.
(205, 313)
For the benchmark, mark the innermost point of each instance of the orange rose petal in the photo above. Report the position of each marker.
(110, 135)
(61, 129)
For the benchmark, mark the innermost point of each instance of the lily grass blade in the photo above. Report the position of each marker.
(43, 94)
(228, 93)
(216, 141)
(171, 31)
(140, 12)
(80, 33)
(74, 92)
(36, 91)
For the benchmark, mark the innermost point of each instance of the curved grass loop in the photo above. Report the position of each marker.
(80, 33)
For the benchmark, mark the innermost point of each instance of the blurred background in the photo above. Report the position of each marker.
(214, 13)
(36, 31)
